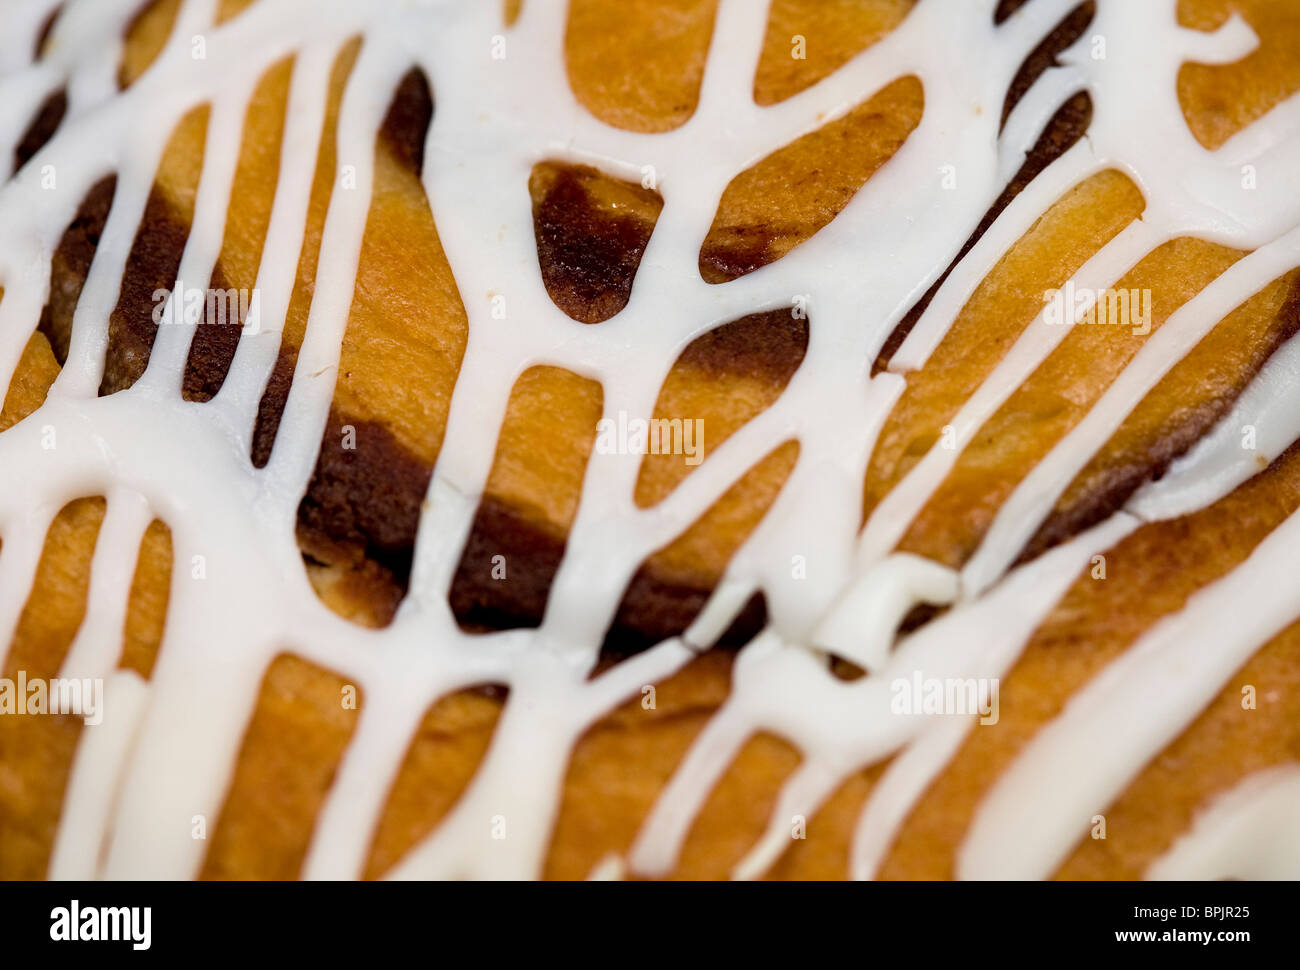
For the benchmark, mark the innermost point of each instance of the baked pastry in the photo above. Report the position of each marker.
(678, 438)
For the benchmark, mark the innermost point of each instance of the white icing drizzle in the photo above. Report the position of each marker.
(167, 748)
(1250, 832)
(1080, 762)
(775, 683)
(1032, 500)
(1218, 463)
(94, 788)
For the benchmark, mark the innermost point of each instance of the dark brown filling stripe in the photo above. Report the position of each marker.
(769, 346)
(407, 123)
(653, 609)
(481, 603)
(212, 350)
(1043, 56)
(46, 29)
(364, 503)
(1066, 127)
(588, 252)
(71, 265)
(152, 265)
(42, 129)
(1005, 9)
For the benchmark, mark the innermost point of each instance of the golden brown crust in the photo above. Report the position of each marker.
(807, 42)
(1219, 100)
(518, 536)
(36, 750)
(785, 198)
(36, 371)
(448, 745)
(650, 85)
(290, 753)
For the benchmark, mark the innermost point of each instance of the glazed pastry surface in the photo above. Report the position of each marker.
(374, 581)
